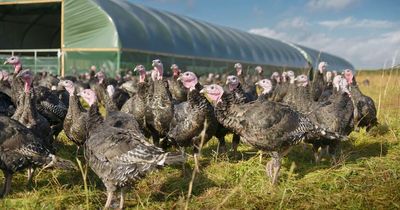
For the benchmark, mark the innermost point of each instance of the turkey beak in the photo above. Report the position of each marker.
(5, 62)
(227, 82)
(256, 83)
(179, 78)
(203, 90)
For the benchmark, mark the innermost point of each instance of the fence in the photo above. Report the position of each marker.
(37, 60)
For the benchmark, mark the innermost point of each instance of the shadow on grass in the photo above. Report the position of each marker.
(365, 150)
(303, 157)
(175, 186)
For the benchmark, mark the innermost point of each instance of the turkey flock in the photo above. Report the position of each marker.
(150, 120)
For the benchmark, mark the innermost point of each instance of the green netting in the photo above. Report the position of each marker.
(38, 64)
(200, 66)
(80, 62)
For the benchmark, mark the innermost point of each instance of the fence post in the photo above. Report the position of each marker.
(35, 57)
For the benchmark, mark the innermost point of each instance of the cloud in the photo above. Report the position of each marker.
(363, 52)
(350, 22)
(268, 32)
(329, 4)
(296, 22)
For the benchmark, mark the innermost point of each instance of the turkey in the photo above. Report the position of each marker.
(276, 83)
(235, 87)
(176, 88)
(159, 104)
(259, 75)
(45, 79)
(328, 90)
(267, 126)
(136, 105)
(298, 95)
(119, 97)
(51, 107)
(247, 86)
(29, 114)
(335, 116)
(21, 149)
(7, 106)
(17, 86)
(318, 84)
(75, 121)
(281, 89)
(240, 97)
(99, 85)
(266, 89)
(47, 103)
(120, 157)
(364, 106)
(191, 116)
(116, 118)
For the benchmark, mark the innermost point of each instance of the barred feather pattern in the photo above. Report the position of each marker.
(58, 109)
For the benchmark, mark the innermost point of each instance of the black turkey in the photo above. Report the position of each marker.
(318, 84)
(21, 149)
(244, 80)
(120, 157)
(298, 95)
(328, 90)
(30, 117)
(114, 117)
(364, 106)
(235, 86)
(75, 120)
(7, 106)
(159, 104)
(191, 116)
(119, 97)
(136, 105)
(335, 116)
(47, 103)
(176, 88)
(51, 107)
(267, 126)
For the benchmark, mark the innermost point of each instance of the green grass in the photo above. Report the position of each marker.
(367, 176)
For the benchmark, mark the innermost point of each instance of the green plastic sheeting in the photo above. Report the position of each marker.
(88, 26)
(116, 35)
(80, 62)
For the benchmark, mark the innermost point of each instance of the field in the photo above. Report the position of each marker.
(366, 177)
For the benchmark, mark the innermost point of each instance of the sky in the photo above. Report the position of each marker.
(364, 32)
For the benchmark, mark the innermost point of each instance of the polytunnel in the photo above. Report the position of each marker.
(68, 36)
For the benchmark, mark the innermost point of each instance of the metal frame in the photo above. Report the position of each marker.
(12, 52)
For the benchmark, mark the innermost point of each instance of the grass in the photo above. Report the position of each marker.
(367, 176)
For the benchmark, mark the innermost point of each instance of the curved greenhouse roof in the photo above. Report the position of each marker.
(122, 27)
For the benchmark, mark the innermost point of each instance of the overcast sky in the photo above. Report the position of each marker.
(365, 32)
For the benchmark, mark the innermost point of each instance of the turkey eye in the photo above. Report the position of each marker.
(212, 87)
